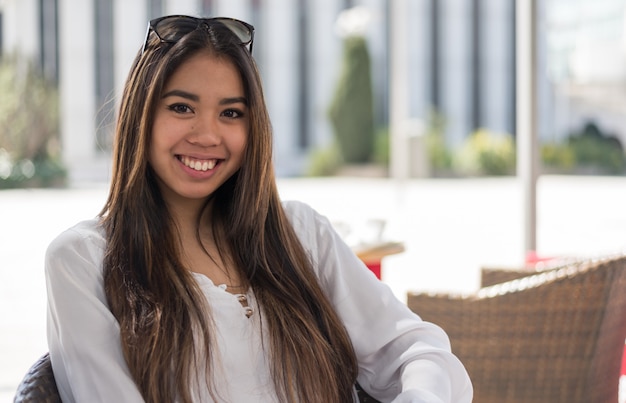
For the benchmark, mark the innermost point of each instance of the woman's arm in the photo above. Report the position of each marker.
(401, 358)
(83, 335)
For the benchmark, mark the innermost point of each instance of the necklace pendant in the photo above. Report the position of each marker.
(243, 300)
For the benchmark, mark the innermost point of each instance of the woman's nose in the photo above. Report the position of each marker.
(205, 132)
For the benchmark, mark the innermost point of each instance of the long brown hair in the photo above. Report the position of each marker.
(154, 298)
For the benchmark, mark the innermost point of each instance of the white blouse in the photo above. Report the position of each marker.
(401, 358)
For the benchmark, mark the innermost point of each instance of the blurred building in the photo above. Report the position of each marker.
(586, 65)
(87, 46)
(462, 64)
(460, 56)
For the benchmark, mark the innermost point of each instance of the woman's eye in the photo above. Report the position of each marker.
(180, 108)
(232, 113)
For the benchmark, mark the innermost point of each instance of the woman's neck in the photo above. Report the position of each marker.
(199, 249)
(186, 214)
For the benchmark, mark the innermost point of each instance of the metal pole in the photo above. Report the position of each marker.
(398, 90)
(526, 89)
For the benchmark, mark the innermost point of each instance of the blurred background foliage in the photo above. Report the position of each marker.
(351, 114)
(484, 153)
(351, 110)
(30, 154)
(597, 151)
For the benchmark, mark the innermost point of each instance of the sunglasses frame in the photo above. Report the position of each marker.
(153, 24)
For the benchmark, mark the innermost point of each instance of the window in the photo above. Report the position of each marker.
(1, 39)
(104, 74)
(155, 8)
(49, 39)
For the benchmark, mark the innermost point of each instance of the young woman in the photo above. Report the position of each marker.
(196, 283)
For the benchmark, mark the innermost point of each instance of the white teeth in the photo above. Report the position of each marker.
(198, 165)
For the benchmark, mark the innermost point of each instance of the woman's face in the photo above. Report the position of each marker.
(200, 129)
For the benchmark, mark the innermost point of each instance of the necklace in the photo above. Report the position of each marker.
(239, 291)
(242, 297)
(243, 300)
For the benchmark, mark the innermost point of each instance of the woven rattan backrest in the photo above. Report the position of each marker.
(38, 386)
(491, 276)
(606, 366)
(550, 337)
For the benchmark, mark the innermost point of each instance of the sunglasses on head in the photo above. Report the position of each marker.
(171, 28)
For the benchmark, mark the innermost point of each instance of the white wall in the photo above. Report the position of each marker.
(20, 30)
(130, 21)
(280, 75)
(456, 78)
(497, 64)
(185, 7)
(76, 36)
(418, 44)
(239, 9)
(325, 54)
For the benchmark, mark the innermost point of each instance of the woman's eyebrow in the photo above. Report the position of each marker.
(182, 94)
(196, 98)
(235, 100)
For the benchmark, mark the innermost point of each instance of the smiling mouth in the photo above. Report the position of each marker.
(197, 165)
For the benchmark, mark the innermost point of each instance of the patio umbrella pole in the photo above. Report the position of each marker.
(526, 136)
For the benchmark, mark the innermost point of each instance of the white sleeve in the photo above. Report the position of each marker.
(402, 358)
(83, 335)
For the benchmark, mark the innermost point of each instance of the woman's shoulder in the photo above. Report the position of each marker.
(299, 213)
(309, 224)
(85, 235)
(296, 207)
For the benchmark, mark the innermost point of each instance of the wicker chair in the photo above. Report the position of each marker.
(495, 275)
(491, 275)
(38, 385)
(554, 336)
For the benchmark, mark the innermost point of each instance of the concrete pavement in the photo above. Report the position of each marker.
(451, 227)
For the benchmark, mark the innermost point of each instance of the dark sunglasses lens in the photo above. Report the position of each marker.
(173, 28)
(239, 29)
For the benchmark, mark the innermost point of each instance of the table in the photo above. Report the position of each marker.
(372, 254)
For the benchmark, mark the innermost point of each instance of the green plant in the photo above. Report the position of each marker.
(591, 148)
(486, 153)
(558, 156)
(351, 111)
(324, 161)
(439, 156)
(381, 146)
(29, 127)
(27, 173)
